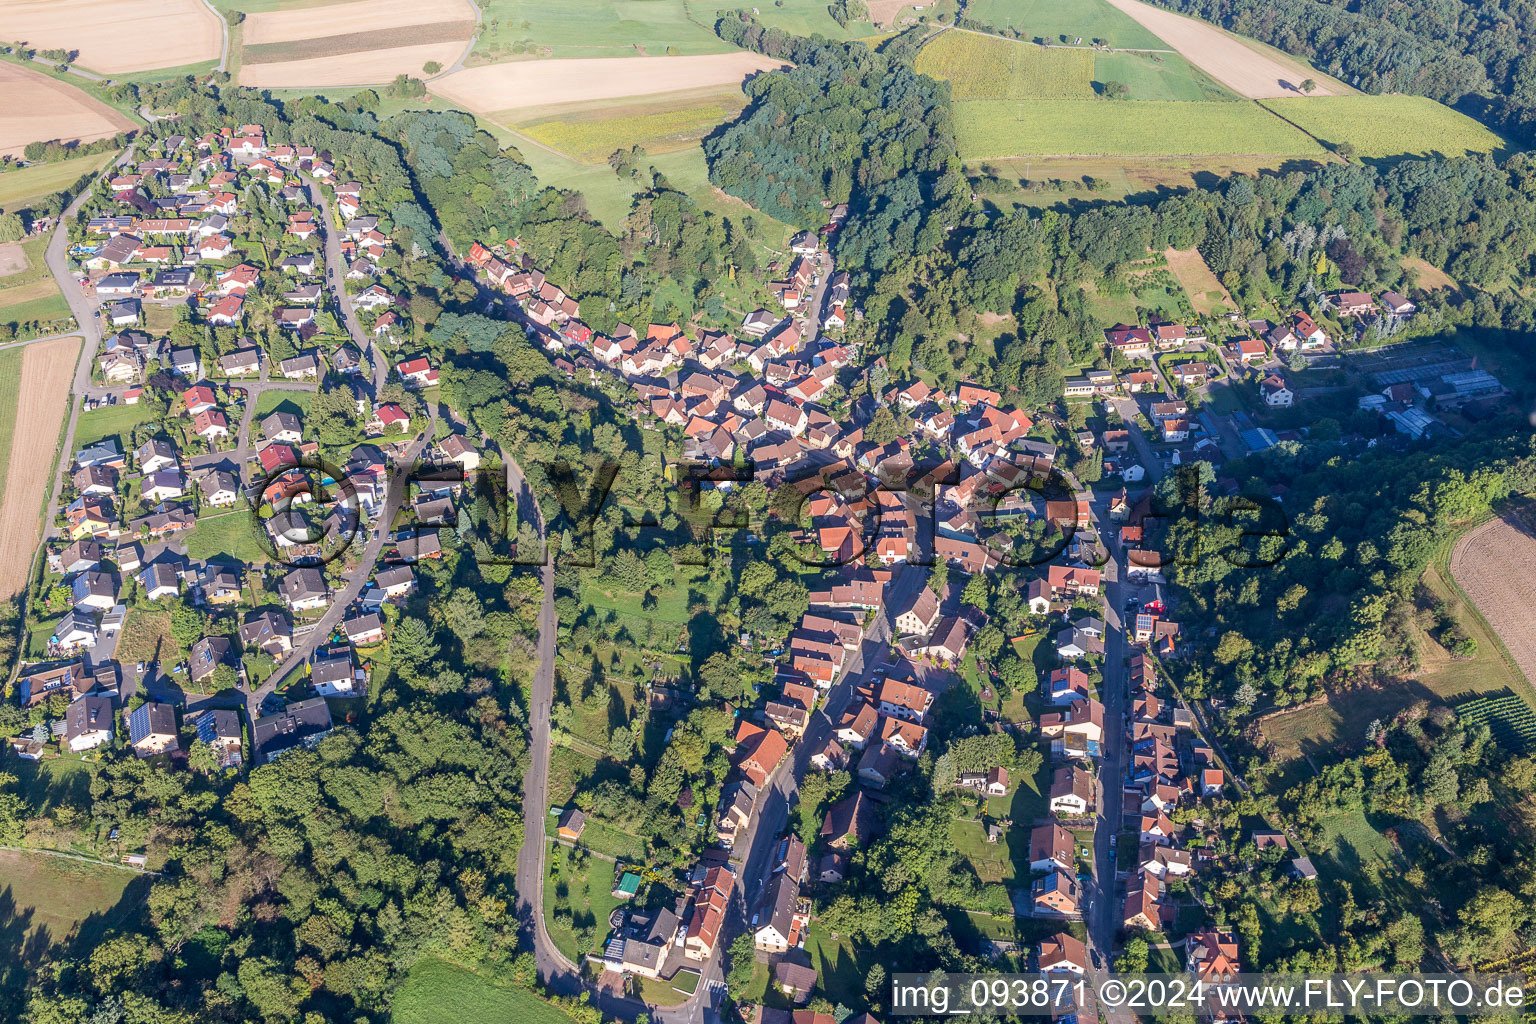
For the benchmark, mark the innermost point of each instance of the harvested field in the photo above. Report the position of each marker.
(117, 36)
(453, 32)
(539, 83)
(1206, 293)
(40, 109)
(883, 12)
(13, 259)
(358, 43)
(343, 19)
(1243, 68)
(365, 68)
(47, 370)
(1495, 566)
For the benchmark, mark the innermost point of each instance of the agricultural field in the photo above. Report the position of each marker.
(366, 41)
(27, 290)
(800, 17)
(42, 109)
(1041, 182)
(531, 84)
(10, 388)
(1057, 21)
(989, 129)
(591, 135)
(1492, 566)
(1246, 68)
(47, 370)
(114, 37)
(1388, 126)
(1155, 76)
(20, 187)
(520, 29)
(982, 67)
(437, 992)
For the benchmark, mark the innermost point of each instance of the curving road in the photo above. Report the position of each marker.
(84, 310)
(341, 601)
(336, 280)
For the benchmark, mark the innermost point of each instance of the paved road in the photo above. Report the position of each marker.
(336, 280)
(469, 47)
(223, 64)
(816, 307)
(341, 601)
(1128, 410)
(1103, 916)
(243, 452)
(84, 312)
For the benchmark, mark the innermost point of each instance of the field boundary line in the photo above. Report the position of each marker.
(1326, 148)
(1442, 561)
(1047, 46)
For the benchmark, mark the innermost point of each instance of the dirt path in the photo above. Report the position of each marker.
(46, 371)
(1495, 566)
(1244, 69)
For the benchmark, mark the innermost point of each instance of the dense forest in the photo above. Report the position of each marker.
(1471, 54)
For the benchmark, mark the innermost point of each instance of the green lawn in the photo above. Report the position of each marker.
(229, 534)
(991, 861)
(1388, 126)
(841, 966)
(799, 17)
(19, 187)
(587, 891)
(45, 307)
(593, 28)
(10, 387)
(268, 402)
(1156, 76)
(999, 128)
(437, 992)
(604, 838)
(567, 769)
(1052, 19)
(113, 420)
(609, 198)
(50, 896)
(1030, 798)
